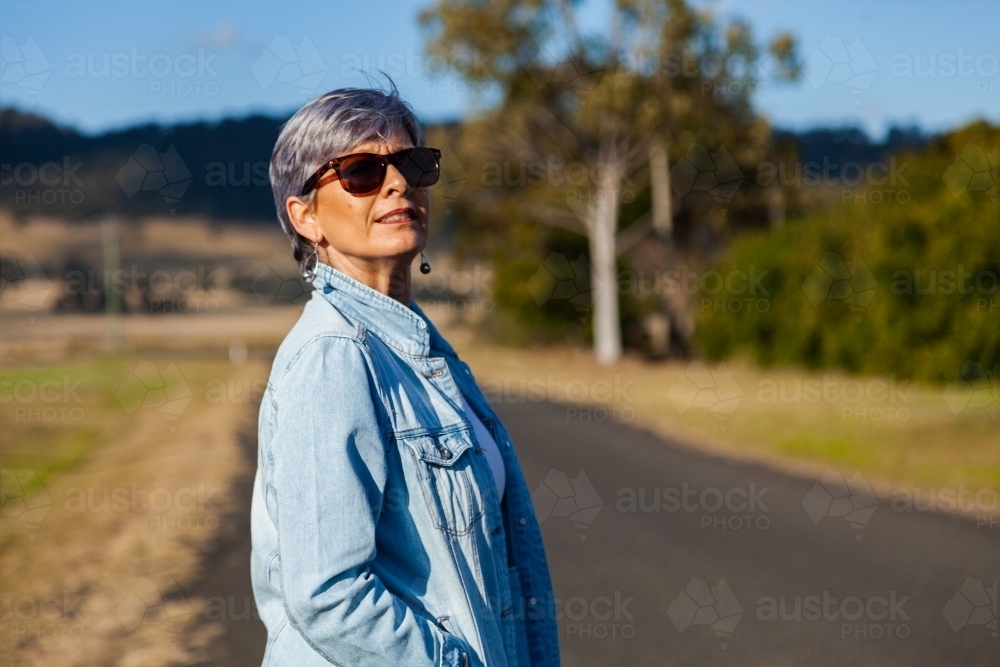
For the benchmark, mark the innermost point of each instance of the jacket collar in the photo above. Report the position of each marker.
(407, 330)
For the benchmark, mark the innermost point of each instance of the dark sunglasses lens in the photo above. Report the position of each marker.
(362, 175)
(420, 168)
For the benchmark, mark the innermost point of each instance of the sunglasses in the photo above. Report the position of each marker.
(364, 173)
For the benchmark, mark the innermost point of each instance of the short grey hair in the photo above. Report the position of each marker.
(332, 124)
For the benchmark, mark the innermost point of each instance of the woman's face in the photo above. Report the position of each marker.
(389, 223)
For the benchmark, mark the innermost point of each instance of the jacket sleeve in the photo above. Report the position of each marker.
(329, 472)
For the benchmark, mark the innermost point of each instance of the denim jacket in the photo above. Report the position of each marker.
(378, 535)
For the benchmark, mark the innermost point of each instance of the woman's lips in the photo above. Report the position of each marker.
(398, 216)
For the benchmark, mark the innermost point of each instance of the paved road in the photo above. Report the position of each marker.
(690, 583)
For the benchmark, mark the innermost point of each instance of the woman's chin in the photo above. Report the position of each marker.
(403, 247)
(400, 239)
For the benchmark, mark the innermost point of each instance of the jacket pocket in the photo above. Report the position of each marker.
(444, 470)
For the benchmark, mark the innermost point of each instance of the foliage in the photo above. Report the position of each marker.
(554, 99)
(934, 261)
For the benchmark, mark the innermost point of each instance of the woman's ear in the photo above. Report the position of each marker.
(302, 220)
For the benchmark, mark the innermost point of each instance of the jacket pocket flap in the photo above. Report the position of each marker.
(442, 449)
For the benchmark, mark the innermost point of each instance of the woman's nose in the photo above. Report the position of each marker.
(394, 181)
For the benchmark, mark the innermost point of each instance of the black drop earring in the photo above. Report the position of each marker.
(425, 266)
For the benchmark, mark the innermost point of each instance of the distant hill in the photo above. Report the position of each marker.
(220, 169)
(850, 144)
(211, 169)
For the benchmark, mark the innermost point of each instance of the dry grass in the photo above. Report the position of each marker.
(96, 574)
(74, 575)
(911, 438)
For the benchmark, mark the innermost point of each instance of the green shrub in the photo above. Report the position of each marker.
(919, 297)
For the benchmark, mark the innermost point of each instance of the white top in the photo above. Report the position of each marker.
(489, 446)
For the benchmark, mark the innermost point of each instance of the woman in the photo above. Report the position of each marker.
(391, 522)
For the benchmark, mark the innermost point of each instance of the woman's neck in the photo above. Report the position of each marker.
(390, 275)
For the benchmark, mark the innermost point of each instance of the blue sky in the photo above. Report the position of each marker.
(936, 64)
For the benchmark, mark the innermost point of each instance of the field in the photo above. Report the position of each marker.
(900, 435)
(122, 435)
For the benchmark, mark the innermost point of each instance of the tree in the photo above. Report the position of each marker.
(609, 103)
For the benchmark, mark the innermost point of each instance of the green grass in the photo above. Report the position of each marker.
(55, 414)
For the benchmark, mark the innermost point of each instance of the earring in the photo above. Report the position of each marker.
(309, 272)
(425, 266)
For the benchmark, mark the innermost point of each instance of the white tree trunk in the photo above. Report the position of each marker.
(659, 179)
(603, 224)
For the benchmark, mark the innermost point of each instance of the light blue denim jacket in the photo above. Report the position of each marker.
(378, 536)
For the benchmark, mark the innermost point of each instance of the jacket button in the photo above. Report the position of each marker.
(445, 453)
(532, 601)
(523, 521)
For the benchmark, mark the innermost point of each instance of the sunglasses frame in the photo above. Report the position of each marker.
(395, 159)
